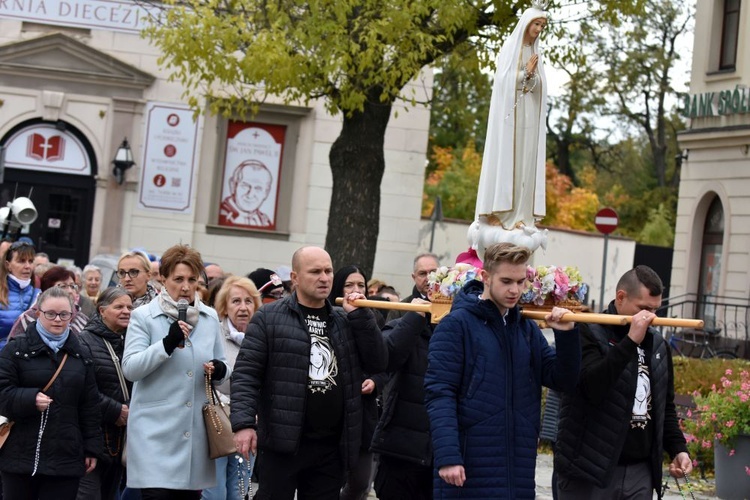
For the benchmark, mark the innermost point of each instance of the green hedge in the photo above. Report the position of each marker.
(692, 374)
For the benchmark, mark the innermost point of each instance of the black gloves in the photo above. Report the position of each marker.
(220, 369)
(174, 338)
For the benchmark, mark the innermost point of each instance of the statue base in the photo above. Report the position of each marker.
(482, 234)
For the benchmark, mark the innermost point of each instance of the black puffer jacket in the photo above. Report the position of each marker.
(111, 397)
(404, 428)
(594, 421)
(73, 429)
(271, 373)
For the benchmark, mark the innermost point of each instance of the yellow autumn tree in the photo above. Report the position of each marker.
(570, 207)
(455, 180)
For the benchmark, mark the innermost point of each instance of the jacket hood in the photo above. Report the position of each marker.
(469, 298)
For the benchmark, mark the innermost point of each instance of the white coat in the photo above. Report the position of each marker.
(167, 444)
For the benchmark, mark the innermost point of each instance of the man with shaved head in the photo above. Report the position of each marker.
(299, 371)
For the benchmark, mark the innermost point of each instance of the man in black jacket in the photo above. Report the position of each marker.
(614, 430)
(402, 437)
(299, 370)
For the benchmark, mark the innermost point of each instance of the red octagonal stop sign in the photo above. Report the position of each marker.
(606, 220)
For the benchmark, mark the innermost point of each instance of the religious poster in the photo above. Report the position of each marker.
(169, 154)
(252, 173)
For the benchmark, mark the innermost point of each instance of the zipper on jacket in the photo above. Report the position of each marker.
(509, 429)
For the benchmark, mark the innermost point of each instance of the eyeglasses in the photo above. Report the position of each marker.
(13, 248)
(73, 287)
(51, 315)
(131, 272)
(19, 244)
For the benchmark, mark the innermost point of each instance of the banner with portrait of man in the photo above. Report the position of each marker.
(252, 171)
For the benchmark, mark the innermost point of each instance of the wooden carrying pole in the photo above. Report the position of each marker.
(439, 310)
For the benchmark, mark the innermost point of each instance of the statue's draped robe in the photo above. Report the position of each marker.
(512, 182)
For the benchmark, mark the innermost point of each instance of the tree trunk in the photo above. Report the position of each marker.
(357, 164)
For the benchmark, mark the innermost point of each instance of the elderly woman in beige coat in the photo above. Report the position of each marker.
(236, 302)
(166, 359)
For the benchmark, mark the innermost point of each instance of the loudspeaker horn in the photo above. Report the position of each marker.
(24, 210)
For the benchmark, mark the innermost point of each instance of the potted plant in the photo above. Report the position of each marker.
(721, 421)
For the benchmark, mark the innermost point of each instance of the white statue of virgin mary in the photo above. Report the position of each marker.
(511, 186)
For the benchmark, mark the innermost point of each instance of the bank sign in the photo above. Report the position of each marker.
(726, 102)
(125, 16)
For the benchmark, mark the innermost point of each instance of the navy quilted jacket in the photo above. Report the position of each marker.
(483, 391)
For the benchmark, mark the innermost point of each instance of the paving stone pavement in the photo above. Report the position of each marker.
(544, 480)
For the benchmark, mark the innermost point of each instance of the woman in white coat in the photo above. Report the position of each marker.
(166, 359)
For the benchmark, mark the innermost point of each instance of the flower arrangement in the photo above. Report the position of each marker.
(447, 281)
(558, 285)
(723, 414)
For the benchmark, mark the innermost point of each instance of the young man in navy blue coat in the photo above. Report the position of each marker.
(484, 380)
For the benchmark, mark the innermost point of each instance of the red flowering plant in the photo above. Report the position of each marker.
(723, 414)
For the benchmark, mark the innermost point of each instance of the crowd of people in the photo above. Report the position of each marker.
(105, 386)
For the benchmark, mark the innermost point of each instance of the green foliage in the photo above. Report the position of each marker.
(460, 104)
(637, 62)
(455, 180)
(659, 229)
(722, 410)
(348, 52)
(699, 375)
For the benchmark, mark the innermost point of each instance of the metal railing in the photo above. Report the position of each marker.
(726, 318)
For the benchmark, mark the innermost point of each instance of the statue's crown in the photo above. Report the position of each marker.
(540, 4)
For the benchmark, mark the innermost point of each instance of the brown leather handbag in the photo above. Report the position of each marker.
(218, 426)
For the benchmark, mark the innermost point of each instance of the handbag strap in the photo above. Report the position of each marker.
(116, 362)
(210, 391)
(57, 372)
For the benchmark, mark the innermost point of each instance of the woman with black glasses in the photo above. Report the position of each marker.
(17, 292)
(134, 270)
(48, 389)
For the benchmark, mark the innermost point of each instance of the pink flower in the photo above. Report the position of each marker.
(747, 470)
(561, 284)
(729, 423)
(731, 452)
(530, 273)
(689, 413)
(705, 444)
(728, 372)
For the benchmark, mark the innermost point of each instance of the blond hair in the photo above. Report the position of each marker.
(498, 253)
(220, 304)
(142, 259)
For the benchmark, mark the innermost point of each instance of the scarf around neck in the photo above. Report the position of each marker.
(22, 283)
(55, 342)
(169, 306)
(235, 335)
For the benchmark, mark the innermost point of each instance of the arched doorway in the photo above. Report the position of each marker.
(54, 162)
(709, 282)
